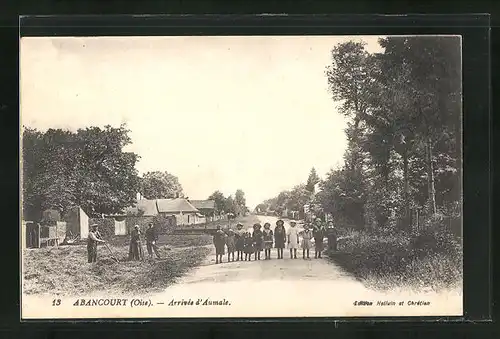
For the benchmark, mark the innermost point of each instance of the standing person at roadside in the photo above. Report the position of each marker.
(267, 236)
(319, 236)
(307, 235)
(219, 243)
(231, 244)
(248, 243)
(135, 250)
(331, 236)
(293, 239)
(280, 237)
(151, 239)
(92, 240)
(257, 240)
(240, 241)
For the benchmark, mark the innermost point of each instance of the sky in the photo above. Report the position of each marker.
(220, 113)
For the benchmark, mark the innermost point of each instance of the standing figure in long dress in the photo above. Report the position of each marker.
(257, 240)
(240, 241)
(293, 239)
(135, 250)
(249, 248)
(280, 237)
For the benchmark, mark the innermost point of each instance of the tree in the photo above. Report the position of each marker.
(298, 197)
(160, 185)
(404, 130)
(239, 199)
(240, 202)
(230, 205)
(86, 168)
(312, 180)
(220, 201)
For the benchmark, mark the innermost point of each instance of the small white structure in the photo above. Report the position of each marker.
(120, 227)
(77, 222)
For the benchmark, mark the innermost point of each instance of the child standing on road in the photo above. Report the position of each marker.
(267, 236)
(257, 240)
(319, 236)
(279, 237)
(306, 241)
(219, 242)
(248, 243)
(293, 239)
(240, 241)
(231, 245)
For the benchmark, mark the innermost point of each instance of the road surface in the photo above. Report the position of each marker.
(283, 269)
(287, 287)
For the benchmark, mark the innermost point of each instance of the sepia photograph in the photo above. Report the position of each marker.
(241, 176)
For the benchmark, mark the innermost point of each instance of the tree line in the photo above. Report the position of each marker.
(294, 199)
(404, 155)
(235, 205)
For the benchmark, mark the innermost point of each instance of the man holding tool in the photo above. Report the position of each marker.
(151, 239)
(92, 240)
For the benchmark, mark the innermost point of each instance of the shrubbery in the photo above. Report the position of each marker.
(430, 259)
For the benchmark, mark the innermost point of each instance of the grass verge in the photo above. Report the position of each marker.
(431, 260)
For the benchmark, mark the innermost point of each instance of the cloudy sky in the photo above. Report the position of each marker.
(226, 113)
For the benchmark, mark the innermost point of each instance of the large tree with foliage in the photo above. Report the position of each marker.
(312, 180)
(160, 185)
(404, 131)
(220, 201)
(230, 205)
(86, 168)
(239, 199)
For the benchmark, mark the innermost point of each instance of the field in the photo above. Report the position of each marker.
(64, 270)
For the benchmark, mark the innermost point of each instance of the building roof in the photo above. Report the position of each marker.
(145, 205)
(175, 205)
(203, 204)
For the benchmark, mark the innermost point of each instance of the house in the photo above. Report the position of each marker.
(163, 213)
(206, 208)
(183, 211)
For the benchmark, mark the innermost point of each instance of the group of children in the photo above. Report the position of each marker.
(245, 243)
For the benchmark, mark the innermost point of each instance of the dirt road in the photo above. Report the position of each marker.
(287, 287)
(284, 269)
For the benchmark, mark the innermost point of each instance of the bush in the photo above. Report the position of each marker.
(432, 258)
(435, 242)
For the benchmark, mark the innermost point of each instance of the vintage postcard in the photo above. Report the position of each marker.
(242, 176)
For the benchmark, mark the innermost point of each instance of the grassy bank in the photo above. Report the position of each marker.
(431, 260)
